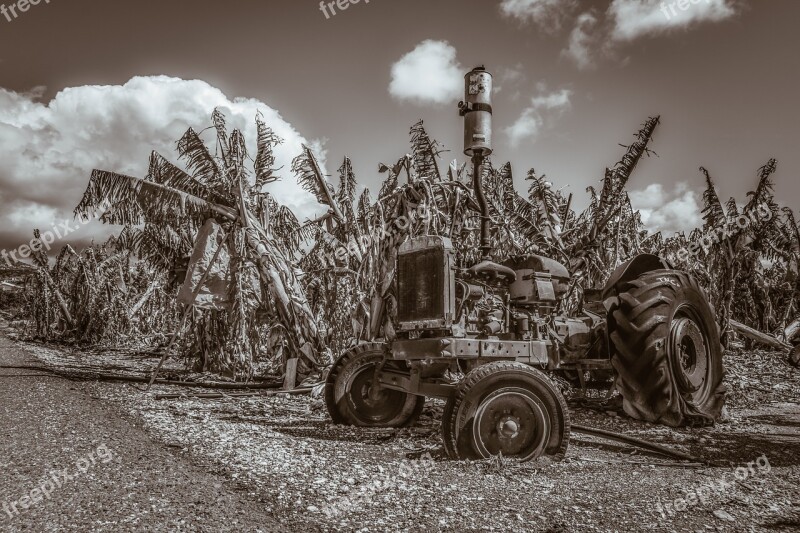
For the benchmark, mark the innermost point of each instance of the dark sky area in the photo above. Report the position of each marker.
(575, 80)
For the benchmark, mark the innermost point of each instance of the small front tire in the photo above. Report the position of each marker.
(348, 388)
(505, 408)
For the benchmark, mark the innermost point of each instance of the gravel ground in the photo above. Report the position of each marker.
(312, 476)
(88, 469)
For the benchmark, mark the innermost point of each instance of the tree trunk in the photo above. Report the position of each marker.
(792, 332)
(759, 337)
(61, 302)
(143, 300)
(290, 298)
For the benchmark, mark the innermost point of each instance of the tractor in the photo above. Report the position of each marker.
(650, 332)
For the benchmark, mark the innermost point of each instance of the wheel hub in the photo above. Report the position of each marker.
(512, 422)
(373, 402)
(690, 354)
(508, 427)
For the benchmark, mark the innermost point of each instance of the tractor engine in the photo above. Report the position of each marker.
(515, 301)
(482, 309)
(540, 286)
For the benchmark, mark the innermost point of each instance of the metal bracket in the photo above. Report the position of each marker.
(413, 384)
(471, 107)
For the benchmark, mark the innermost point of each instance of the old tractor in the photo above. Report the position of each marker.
(651, 330)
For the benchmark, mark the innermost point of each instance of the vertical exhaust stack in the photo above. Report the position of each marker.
(477, 112)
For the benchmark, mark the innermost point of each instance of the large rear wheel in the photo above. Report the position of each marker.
(351, 399)
(505, 408)
(666, 350)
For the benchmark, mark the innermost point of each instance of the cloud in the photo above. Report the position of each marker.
(429, 74)
(48, 150)
(534, 117)
(552, 100)
(508, 76)
(668, 211)
(583, 41)
(547, 14)
(635, 18)
(595, 36)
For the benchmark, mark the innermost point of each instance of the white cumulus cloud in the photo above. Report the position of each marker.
(429, 74)
(48, 149)
(669, 211)
(635, 18)
(534, 117)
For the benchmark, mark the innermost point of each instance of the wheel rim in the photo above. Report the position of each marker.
(385, 404)
(689, 352)
(512, 422)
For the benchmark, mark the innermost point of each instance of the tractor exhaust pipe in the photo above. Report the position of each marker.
(477, 112)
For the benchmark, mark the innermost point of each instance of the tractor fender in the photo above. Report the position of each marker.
(632, 269)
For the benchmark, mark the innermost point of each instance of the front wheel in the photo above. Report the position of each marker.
(505, 408)
(351, 400)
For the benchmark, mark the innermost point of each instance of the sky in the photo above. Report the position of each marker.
(90, 84)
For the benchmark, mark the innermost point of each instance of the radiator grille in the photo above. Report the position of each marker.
(421, 290)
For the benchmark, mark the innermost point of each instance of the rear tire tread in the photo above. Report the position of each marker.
(639, 330)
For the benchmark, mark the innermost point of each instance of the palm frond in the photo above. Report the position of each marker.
(425, 152)
(731, 209)
(545, 201)
(288, 229)
(265, 157)
(364, 205)
(135, 201)
(791, 230)
(160, 245)
(199, 161)
(713, 213)
(346, 194)
(238, 153)
(617, 177)
(764, 196)
(218, 119)
(163, 172)
(310, 177)
(389, 185)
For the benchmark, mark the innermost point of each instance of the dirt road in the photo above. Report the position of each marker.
(70, 463)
